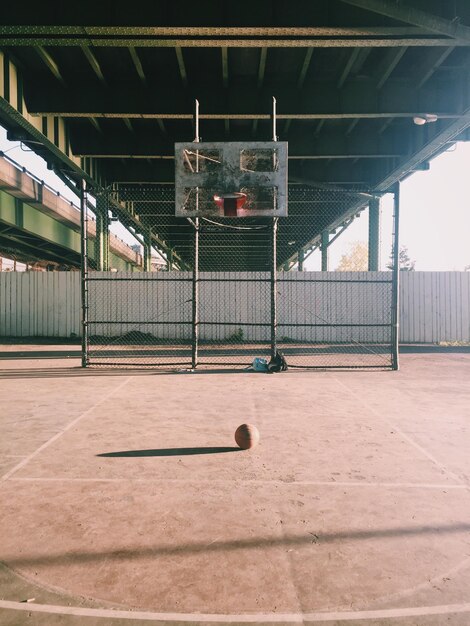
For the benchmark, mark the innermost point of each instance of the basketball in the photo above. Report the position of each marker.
(247, 436)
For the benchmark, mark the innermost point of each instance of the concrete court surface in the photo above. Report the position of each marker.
(122, 501)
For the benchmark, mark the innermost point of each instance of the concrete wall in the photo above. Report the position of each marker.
(435, 306)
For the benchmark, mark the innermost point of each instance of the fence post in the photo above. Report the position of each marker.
(84, 269)
(396, 277)
(274, 287)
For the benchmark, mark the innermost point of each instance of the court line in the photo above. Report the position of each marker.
(71, 424)
(256, 618)
(402, 434)
(235, 482)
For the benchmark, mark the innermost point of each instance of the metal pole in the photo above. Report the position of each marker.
(301, 256)
(84, 269)
(148, 250)
(395, 316)
(195, 339)
(274, 261)
(195, 320)
(374, 235)
(325, 240)
(274, 288)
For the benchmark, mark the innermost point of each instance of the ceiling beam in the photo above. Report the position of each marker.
(88, 32)
(261, 72)
(433, 61)
(261, 67)
(181, 66)
(416, 17)
(128, 124)
(391, 59)
(347, 68)
(50, 63)
(94, 122)
(248, 42)
(304, 69)
(426, 152)
(93, 61)
(137, 64)
(225, 66)
(257, 116)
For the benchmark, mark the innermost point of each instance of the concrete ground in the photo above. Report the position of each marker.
(123, 500)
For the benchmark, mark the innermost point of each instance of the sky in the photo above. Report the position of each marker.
(434, 212)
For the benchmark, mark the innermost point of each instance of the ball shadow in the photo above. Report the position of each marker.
(170, 452)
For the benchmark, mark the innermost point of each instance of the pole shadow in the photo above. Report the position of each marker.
(170, 452)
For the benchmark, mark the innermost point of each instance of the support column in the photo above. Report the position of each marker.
(148, 250)
(325, 240)
(84, 270)
(396, 276)
(195, 337)
(169, 260)
(301, 255)
(374, 235)
(102, 234)
(274, 287)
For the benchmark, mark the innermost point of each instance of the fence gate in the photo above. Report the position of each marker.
(217, 293)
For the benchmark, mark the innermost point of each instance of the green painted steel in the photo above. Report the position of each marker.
(374, 234)
(63, 239)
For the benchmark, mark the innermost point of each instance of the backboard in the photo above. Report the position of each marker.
(231, 179)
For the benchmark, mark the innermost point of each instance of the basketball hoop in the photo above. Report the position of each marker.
(230, 203)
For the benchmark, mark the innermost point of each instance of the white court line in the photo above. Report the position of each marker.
(402, 434)
(64, 430)
(235, 482)
(255, 618)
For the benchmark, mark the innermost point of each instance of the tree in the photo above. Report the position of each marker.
(356, 260)
(404, 262)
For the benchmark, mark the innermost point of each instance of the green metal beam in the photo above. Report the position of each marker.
(325, 237)
(137, 64)
(389, 63)
(248, 42)
(416, 17)
(93, 61)
(374, 235)
(87, 32)
(50, 63)
(181, 65)
(427, 150)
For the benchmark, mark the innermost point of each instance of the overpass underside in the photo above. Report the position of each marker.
(368, 91)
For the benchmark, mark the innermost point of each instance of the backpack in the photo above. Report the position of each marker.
(277, 364)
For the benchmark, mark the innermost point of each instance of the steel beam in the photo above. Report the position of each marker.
(429, 150)
(93, 61)
(325, 240)
(102, 256)
(434, 59)
(50, 63)
(416, 17)
(225, 66)
(248, 42)
(347, 68)
(148, 250)
(87, 32)
(389, 63)
(374, 235)
(137, 64)
(181, 65)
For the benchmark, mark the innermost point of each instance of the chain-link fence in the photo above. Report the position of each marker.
(207, 294)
